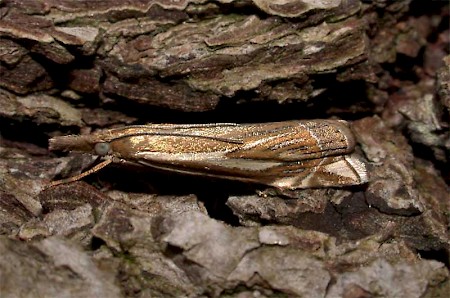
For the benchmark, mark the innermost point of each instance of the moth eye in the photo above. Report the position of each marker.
(102, 148)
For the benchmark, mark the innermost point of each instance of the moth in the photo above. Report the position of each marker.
(286, 155)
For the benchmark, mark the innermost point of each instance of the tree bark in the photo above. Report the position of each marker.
(78, 66)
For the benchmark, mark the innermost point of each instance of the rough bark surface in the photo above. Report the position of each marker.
(77, 66)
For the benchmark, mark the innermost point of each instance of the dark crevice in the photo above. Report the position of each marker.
(24, 130)
(440, 255)
(214, 203)
(425, 152)
(96, 243)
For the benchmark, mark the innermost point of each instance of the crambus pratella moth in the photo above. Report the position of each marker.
(284, 155)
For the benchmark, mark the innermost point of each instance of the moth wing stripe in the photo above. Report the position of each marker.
(208, 159)
(176, 126)
(170, 134)
(286, 143)
(258, 142)
(169, 157)
(316, 138)
(307, 178)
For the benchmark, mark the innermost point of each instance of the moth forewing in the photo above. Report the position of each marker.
(284, 141)
(291, 154)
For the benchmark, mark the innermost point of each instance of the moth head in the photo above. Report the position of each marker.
(87, 144)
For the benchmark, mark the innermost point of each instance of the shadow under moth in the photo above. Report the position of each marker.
(285, 155)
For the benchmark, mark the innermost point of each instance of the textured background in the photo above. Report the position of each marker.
(78, 66)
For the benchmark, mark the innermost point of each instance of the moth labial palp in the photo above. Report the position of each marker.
(285, 155)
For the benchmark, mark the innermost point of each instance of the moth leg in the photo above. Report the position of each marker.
(279, 192)
(96, 168)
(269, 192)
